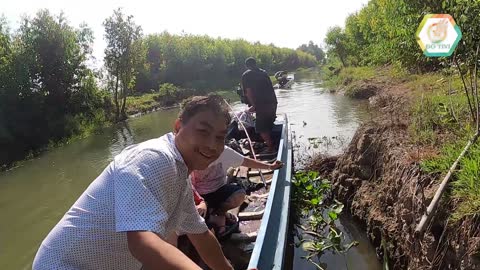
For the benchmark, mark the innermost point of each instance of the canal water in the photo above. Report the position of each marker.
(35, 195)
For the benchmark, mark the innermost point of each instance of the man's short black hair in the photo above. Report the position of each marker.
(250, 62)
(193, 105)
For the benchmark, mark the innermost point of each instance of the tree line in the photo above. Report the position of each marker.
(204, 62)
(447, 116)
(49, 94)
(383, 32)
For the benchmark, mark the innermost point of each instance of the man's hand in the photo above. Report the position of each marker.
(202, 209)
(210, 251)
(154, 253)
(276, 165)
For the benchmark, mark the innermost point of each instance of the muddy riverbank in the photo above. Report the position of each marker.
(380, 180)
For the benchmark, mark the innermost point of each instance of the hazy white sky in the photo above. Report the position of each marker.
(283, 23)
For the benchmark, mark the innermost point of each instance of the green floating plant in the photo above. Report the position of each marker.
(315, 214)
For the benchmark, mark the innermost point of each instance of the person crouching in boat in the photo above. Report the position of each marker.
(221, 196)
(281, 77)
(142, 198)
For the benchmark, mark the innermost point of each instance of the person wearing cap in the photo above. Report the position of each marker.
(260, 94)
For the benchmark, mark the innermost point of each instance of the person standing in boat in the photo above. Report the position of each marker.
(260, 94)
(142, 199)
(221, 196)
(281, 77)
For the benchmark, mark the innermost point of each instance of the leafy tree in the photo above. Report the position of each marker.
(5, 78)
(314, 50)
(123, 54)
(336, 41)
(47, 92)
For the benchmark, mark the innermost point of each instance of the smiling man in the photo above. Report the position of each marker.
(125, 217)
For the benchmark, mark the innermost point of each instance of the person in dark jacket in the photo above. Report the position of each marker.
(260, 94)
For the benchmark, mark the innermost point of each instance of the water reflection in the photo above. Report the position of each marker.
(123, 138)
(315, 113)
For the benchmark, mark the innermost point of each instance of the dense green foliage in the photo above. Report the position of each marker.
(202, 62)
(47, 93)
(383, 32)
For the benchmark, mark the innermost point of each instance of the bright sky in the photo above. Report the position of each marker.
(283, 23)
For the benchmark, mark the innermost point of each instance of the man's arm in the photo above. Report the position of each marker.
(270, 82)
(251, 163)
(154, 253)
(250, 96)
(200, 203)
(247, 89)
(209, 249)
(202, 239)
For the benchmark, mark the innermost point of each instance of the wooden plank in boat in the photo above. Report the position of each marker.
(255, 172)
(251, 215)
(243, 237)
(243, 172)
(257, 196)
(235, 211)
(249, 226)
(267, 156)
(235, 172)
(258, 180)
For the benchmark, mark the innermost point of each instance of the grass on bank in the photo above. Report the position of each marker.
(336, 77)
(440, 119)
(169, 95)
(142, 103)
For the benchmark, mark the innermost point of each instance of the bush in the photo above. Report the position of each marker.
(168, 94)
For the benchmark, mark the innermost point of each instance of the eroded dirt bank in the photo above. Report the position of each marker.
(380, 181)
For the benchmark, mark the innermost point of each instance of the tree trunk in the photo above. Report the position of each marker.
(342, 57)
(124, 102)
(464, 87)
(117, 107)
(343, 62)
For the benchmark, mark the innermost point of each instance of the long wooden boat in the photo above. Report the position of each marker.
(271, 243)
(264, 221)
